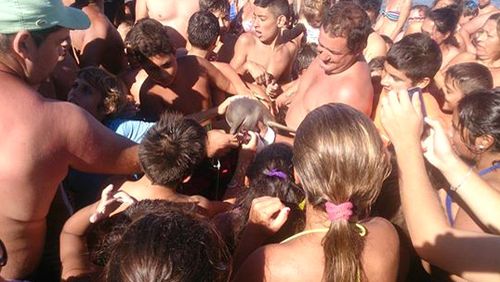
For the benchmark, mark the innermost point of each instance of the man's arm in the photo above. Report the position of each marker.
(357, 96)
(91, 147)
(240, 54)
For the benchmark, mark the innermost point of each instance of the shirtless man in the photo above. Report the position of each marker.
(45, 137)
(100, 44)
(264, 54)
(163, 82)
(487, 48)
(339, 74)
(171, 13)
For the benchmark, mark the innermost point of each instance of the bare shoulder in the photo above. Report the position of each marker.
(462, 58)
(246, 39)
(381, 251)
(268, 263)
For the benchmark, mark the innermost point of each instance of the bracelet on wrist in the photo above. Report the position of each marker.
(464, 179)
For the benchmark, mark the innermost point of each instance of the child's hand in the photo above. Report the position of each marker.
(110, 201)
(437, 147)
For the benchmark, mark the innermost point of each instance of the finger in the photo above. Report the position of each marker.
(124, 197)
(417, 104)
(280, 219)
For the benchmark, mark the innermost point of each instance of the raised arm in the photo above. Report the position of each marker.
(473, 256)
(141, 10)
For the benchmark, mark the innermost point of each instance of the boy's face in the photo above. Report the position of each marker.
(488, 43)
(452, 94)
(265, 24)
(161, 68)
(394, 79)
(333, 53)
(224, 22)
(85, 96)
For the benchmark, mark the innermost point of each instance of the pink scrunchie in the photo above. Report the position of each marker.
(337, 212)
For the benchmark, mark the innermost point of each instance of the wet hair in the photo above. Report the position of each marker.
(445, 21)
(340, 157)
(416, 55)
(203, 30)
(470, 77)
(312, 9)
(170, 246)
(348, 20)
(372, 6)
(111, 89)
(214, 6)
(305, 56)
(479, 113)
(172, 149)
(148, 38)
(277, 7)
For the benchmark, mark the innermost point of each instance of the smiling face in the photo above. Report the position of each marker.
(333, 54)
(488, 42)
(265, 24)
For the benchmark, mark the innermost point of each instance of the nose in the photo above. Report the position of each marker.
(384, 81)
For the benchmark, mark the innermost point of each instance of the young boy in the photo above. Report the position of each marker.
(264, 55)
(411, 62)
(161, 81)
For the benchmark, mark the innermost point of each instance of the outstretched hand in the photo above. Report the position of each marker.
(110, 201)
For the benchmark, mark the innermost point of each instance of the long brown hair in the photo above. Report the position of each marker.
(339, 157)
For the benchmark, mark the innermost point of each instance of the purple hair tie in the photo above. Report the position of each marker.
(276, 173)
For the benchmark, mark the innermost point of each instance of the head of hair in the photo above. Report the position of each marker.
(203, 30)
(445, 21)
(171, 246)
(377, 63)
(416, 55)
(424, 9)
(479, 114)
(148, 38)
(273, 158)
(348, 20)
(340, 157)
(172, 149)
(277, 7)
(312, 10)
(304, 58)
(387, 40)
(496, 18)
(112, 90)
(214, 6)
(470, 77)
(370, 6)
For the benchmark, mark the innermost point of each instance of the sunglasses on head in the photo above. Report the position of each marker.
(3, 254)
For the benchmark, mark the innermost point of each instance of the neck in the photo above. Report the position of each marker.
(486, 160)
(198, 52)
(164, 190)
(275, 42)
(315, 218)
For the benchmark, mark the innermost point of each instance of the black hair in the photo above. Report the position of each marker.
(203, 30)
(479, 113)
(446, 20)
(277, 7)
(148, 38)
(470, 77)
(214, 6)
(305, 56)
(370, 6)
(416, 55)
(172, 149)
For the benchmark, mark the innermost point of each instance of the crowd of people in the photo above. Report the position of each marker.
(249, 140)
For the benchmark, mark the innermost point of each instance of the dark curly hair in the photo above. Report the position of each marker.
(146, 39)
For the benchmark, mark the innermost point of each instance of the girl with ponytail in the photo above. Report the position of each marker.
(340, 161)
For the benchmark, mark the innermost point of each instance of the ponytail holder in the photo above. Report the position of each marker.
(276, 173)
(338, 212)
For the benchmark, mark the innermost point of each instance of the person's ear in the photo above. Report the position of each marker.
(23, 44)
(424, 82)
(281, 21)
(297, 177)
(484, 142)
